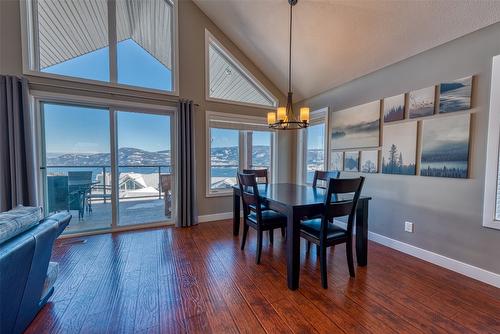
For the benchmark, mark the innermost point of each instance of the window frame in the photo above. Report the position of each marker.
(492, 150)
(318, 116)
(29, 30)
(236, 122)
(210, 39)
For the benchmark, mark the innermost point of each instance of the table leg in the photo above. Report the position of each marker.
(236, 214)
(293, 250)
(362, 233)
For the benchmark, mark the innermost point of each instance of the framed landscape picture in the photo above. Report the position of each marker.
(351, 161)
(421, 102)
(400, 149)
(445, 147)
(337, 161)
(356, 127)
(455, 95)
(369, 161)
(394, 108)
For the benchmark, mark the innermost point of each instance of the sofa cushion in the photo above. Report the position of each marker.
(51, 277)
(18, 220)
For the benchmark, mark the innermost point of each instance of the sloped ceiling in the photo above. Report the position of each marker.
(337, 41)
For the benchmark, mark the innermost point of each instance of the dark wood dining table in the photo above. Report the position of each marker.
(299, 201)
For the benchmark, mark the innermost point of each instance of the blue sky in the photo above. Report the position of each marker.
(228, 138)
(316, 136)
(71, 129)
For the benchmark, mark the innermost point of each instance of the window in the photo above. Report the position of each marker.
(81, 39)
(315, 145)
(228, 80)
(491, 209)
(235, 143)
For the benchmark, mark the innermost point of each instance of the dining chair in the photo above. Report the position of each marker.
(324, 176)
(254, 216)
(260, 174)
(324, 234)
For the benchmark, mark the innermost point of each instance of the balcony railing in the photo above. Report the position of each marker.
(104, 182)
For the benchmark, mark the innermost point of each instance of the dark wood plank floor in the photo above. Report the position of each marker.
(197, 280)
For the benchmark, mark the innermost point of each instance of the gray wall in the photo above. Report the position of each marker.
(192, 24)
(447, 212)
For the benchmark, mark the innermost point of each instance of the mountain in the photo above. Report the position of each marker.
(127, 156)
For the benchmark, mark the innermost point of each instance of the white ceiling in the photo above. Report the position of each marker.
(336, 41)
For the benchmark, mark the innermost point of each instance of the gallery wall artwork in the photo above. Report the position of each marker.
(337, 161)
(351, 161)
(421, 102)
(394, 108)
(445, 147)
(356, 127)
(423, 120)
(369, 161)
(400, 149)
(455, 95)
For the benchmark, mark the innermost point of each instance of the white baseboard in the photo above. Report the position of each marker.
(479, 274)
(215, 216)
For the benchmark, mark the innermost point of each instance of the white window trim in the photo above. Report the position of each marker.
(492, 150)
(29, 58)
(38, 97)
(319, 116)
(255, 124)
(210, 39)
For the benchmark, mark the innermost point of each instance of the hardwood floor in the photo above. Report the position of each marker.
(197, 280)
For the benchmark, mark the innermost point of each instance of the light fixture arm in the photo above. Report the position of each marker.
(284, 118)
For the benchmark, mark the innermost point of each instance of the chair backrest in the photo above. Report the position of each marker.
(249, 194)
(84, 176)
(260, 174)
(324, 175)
(57, 193)
(341, 208)
(166, 182)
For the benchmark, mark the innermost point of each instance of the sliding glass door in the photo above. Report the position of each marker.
(108, 168)
(145, 177)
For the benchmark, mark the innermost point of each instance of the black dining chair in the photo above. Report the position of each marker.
(260, 174)
(324, 176)
(254, 216)
(324, 234)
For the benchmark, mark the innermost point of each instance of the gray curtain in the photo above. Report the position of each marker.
(17, 155)
(187, 213)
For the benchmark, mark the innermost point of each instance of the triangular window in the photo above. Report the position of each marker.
(230, 81)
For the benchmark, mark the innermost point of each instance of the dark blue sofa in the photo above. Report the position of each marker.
(24, 261)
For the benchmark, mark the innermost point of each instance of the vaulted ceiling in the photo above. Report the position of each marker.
(336, 41)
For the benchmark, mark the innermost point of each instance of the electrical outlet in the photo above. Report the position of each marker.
(409, 227)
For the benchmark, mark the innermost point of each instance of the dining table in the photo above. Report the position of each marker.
(297, 201)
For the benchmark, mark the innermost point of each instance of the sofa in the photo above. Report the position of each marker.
(26, 274)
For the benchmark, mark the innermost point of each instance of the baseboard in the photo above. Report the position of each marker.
(479, 274)
(215, 216)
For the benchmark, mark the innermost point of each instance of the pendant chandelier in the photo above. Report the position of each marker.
(284, 118)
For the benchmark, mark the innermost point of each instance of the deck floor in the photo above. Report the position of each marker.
(140, 211)
(197, 280)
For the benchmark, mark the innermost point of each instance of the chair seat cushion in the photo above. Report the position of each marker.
(313, 228)
(268, 217)
(51, 277)
(18, 220)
